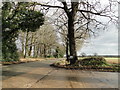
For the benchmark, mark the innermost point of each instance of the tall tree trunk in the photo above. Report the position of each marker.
(40, 54)
(23, 49)
(34, 54)
(49, 52)
(71, 18)
(71, 36)
(23, 44)
(44, 51)
(26, 47)
(37, 51)
(30, 48)
(67, 48)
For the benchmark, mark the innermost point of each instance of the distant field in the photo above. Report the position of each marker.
(109, 59)
(113, 60)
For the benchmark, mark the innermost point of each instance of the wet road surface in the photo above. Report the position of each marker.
(40, 75)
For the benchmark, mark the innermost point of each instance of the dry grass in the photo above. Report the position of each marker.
(113, 60)
(31, 59)
(110, 60)
(35, 59)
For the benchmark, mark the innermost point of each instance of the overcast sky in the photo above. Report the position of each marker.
(105, 44)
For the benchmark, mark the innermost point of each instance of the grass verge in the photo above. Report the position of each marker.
(89, 63)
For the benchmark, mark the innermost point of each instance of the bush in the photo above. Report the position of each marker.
(93, 61)
(9, 51)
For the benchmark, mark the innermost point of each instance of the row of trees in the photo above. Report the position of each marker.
(42, 43)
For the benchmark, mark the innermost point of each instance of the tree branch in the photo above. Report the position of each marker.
(49, 5)
(95, 13)
(65, 7)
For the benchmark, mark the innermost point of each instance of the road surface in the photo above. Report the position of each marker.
(40, 75)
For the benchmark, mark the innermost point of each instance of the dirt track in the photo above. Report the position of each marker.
(40, 75)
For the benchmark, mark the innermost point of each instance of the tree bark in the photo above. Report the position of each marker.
(26, 47)
(67, 48)
(71, 36)
(37, 50)
(44, 51)
(40, 54)
(23, 49)
(71, 31)
(30, 48)
(34, 54)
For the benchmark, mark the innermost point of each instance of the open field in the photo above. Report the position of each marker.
(114, 60)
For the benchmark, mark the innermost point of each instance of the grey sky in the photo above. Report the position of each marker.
(105, 44)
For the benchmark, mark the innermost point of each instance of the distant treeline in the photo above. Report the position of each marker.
(112, 56)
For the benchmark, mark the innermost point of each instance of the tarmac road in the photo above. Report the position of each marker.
(40, 75)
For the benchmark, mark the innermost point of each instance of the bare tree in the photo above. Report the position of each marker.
(41, 43)
(86, 14)
(61, 28)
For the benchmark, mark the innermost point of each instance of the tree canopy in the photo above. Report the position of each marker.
(15, 17)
